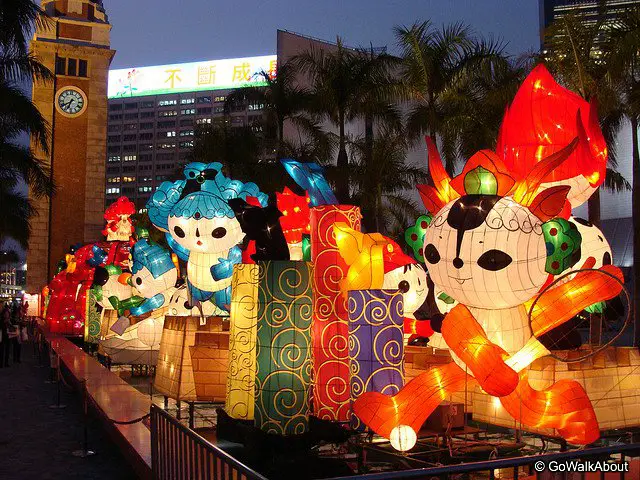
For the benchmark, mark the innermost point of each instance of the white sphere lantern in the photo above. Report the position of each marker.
(403, 438)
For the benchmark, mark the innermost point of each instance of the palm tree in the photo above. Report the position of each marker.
(18, 115)
(382, 179)
(576, 53)
(346, 85)
(440, 69)
(624, 69)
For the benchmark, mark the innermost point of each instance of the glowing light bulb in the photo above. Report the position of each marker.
(403, 438)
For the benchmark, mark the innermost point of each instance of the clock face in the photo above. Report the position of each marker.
(71, 102)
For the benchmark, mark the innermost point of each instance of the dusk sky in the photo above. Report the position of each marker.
(147, 32)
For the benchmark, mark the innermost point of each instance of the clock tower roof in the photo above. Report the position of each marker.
(87, 10)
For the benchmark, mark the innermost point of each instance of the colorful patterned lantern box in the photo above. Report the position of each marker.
(242, 342)
(283, 372)
(330, 328)
(375, 343)
(190, 364)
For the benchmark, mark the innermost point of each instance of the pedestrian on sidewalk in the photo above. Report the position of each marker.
(16, 333)
(5, 324)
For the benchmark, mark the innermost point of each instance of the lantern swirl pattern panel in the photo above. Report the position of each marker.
(330, 328)
(242, 342)
(283, 370)
(375, 343)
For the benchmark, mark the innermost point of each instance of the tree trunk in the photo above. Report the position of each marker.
(342, 183)
(635, 202)
(594, 208)
(368, 138)
(280, 138)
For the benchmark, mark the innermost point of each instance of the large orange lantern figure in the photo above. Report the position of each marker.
(496, 239)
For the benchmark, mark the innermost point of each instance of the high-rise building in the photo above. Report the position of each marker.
(74, 45)
(154, 112)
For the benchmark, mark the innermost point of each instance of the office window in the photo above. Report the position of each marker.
(168, 113)
(147, 114)
(186, 122)
(187, 101)
(146, 136)
(128, 179)
(130, 106)
(113, 190)
(146, 104)
(142, 210)
(220, 99)
(256, 106)
(115, 117)
(113, 180)
(128, 190)
(130, 158)
(82, 68)
(130, 126)
(72, 67)
(113, 169)
(129, 169)
(61, 66)
(114, 158)
(114, 138)
(144, 168)
(129, 147)
(166, 103)
(146, 146)
(188, 144)
(202, 121)
(164, 157)
(204, 111)
(165, 146)
(146, 126)
(113, 149)
(204, 99)
(145, 157)
(115, 128)
(218, 110)
(166, 124)
(145, 189)
(186, 133)
(170, 134)
(130, 116)
(188, 111)
(162, 178)
(113, 107)
(130, 138)
(146, 179)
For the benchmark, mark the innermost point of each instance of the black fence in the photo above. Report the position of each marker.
(178, 453)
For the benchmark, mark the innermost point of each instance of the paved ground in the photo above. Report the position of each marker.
(36, 441)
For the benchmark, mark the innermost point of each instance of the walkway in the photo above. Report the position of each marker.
(36, 441)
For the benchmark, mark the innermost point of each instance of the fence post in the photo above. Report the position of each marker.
(85, 452)
(55, 364)
(154, 442)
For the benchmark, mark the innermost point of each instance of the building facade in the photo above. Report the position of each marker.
(155, 111)
(74, 45)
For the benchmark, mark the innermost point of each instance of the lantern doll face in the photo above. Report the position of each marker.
(411, 280)
(486, 251)
(205, 235)
(593, 244)
(148, 285)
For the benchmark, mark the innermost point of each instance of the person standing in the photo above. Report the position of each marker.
(5, 323)
(16, 333)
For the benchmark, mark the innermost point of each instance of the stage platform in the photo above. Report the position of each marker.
(113, 399)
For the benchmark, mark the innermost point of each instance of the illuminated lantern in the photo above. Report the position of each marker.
(375, 343)
(201, 227)
(310, 177)
(294, 220)
(193, 359)
(241, 376)
(594, 244)
(283, 355)
(138, 344)
(330, 327)
(493, 243)
(153, 275)
(119, 226)
(403, 438)
(542, 119)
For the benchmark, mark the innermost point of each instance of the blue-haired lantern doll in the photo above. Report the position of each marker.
(201, 227)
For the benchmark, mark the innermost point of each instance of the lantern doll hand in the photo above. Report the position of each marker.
(224, 269)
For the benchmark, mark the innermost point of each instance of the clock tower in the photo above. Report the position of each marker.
(74, 45)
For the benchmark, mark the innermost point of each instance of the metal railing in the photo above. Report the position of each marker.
(179, 453)
(516, 465)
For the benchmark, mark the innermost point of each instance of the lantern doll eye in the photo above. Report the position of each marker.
(403, 286)
(179, 232)
(138, 281)
(431, 254)
(494, 260)
(219, 232)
